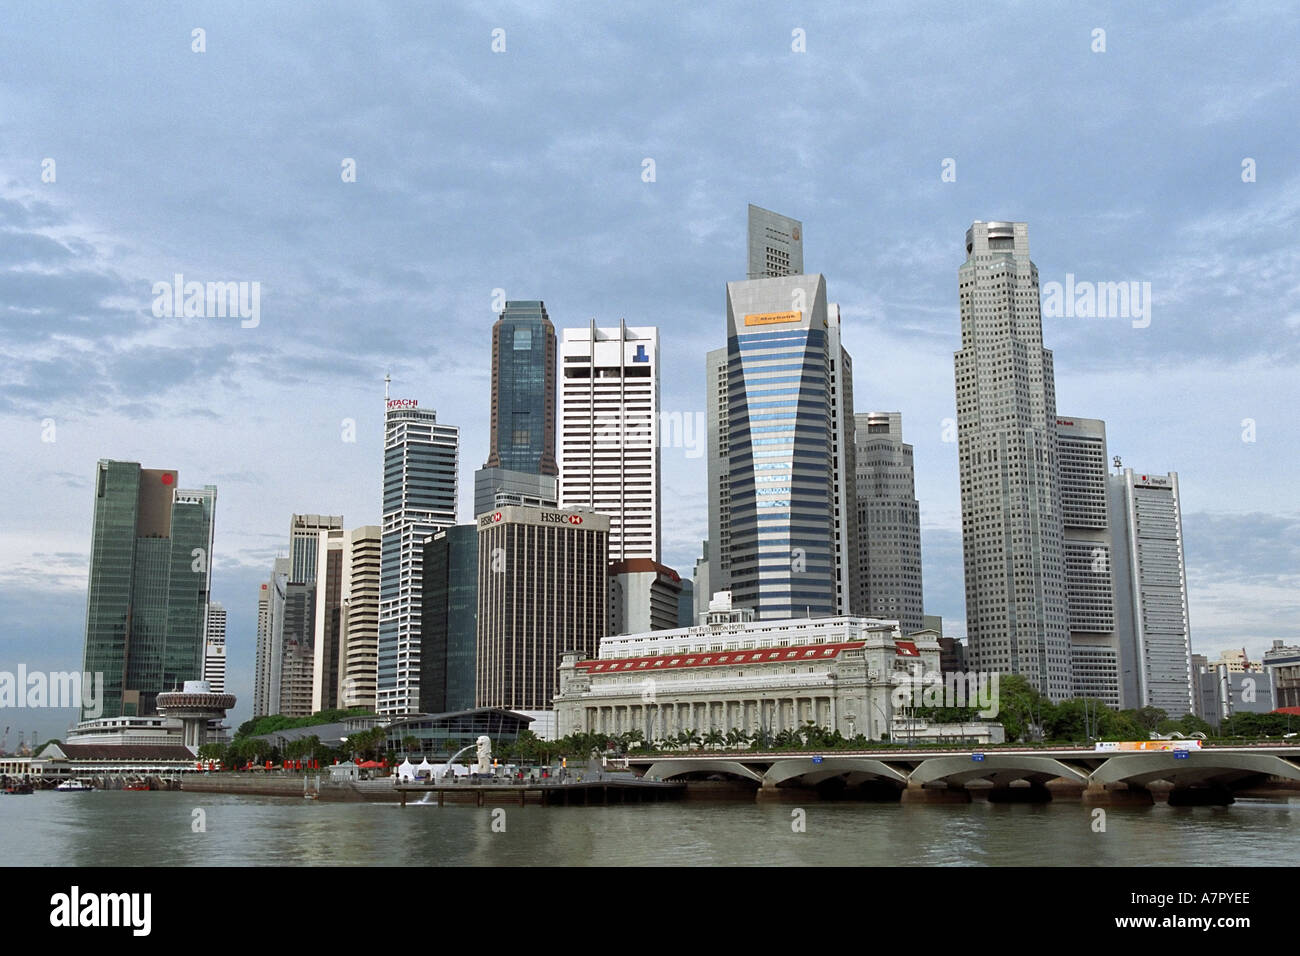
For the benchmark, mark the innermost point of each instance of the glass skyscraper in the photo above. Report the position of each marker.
(420, 471)
(150, 583)
(523, 390)
(782, 501)
(449, 624)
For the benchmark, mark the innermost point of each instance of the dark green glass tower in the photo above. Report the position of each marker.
(449, 646)
(150, 582)
(523, 391)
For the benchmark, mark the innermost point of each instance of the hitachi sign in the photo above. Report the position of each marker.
(403, 403)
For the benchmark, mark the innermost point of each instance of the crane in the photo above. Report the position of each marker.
(4, 740)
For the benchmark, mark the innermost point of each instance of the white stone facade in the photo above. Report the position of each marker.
(758, 677)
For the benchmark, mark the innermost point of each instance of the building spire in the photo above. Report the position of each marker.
(387, 381)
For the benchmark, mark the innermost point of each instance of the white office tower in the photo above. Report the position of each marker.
(359, 644)
(717, 411)
(1151, 587)
(421, 458)
(214, 650)
(327, 642)
(277, 603)
(305, 541)
(1089, 556)
(1016, 614)
(609, 441)
(775, 244)
(262, 664)
(844, 507)
(889, 522)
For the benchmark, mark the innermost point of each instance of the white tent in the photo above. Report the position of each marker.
(406, 771)
(425, 770)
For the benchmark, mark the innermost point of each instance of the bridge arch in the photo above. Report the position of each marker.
(670, 769)
(1000, 769)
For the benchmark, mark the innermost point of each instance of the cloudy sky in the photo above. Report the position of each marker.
(127, 157)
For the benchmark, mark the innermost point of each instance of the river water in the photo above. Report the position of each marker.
(163, 829)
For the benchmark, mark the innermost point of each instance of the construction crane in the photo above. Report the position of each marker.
(3, 741)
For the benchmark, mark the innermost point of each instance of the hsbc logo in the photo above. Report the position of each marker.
(555, 517)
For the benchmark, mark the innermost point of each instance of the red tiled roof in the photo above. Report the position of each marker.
(907, 649)
(765, 655)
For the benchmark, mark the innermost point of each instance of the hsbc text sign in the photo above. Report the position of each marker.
(543, 517)
(559, 517)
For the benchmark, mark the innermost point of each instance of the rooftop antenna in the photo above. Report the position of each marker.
(1118, 463)
(387, 379)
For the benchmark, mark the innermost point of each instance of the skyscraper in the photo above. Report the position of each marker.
(214, 654)
(421, 458)
(775, 244)
(609, 442)
(1016, 613)
(1151, 584)
(542, 590)
(262, 671)
(522, 436)
(359, 650)
(327, 631)
(521, 465)
(448, 650)
(150, 580)
(305, 541)
(782, 503)
(889, 523)
(1089, 555)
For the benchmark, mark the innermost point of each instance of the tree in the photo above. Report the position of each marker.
(1020, 707)
(714, 739)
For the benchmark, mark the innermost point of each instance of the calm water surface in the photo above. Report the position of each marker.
(155, 829)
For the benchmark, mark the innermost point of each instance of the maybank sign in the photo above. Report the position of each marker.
(772, 318)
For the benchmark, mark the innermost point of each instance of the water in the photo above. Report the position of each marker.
(156, 829)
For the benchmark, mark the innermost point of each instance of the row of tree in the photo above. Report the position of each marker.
(1024, 713)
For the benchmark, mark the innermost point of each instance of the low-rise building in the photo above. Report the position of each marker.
(1282, 663)
(758, 677)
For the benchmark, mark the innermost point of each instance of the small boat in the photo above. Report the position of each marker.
(74, 786)
(136, 786)
(18, 790)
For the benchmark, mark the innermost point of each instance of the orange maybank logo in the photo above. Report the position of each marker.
(771, 318)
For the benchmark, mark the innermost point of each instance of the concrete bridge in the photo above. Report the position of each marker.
(1209, 775)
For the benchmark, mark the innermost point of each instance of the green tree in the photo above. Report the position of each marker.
(1021, 707)
(1149, 718)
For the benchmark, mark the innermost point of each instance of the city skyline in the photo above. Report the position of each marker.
(1200, 391)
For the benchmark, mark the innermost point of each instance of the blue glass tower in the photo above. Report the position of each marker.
(523, 391)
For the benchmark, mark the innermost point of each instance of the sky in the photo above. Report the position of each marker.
(502, 149)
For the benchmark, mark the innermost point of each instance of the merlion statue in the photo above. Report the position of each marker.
(484, 762)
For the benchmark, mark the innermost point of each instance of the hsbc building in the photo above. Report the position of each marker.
(542, 590)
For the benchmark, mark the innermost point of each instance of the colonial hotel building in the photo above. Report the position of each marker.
(732, 672)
